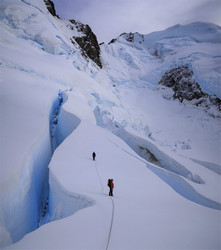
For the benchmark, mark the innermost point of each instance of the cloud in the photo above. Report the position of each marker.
(109, 18)
(208, 11)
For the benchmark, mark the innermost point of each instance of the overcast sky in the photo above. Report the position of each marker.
(109, 18)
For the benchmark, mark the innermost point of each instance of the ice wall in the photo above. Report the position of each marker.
(21, 195)
(62, 203)
(25, 194)
(145, 148)
(176, 174)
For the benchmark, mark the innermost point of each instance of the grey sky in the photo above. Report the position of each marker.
(109, 18)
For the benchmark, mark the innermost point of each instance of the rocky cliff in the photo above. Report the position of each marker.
(88, 42)
(185, 87)
(50, 7)
(87, 39)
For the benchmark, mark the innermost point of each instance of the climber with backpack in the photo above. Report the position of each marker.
(110, 184)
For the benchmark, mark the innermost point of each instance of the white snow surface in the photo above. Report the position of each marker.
(57, 107)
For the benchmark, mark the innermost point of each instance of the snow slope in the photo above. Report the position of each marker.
(136, 63)
(57, 107)
(147, 57)
(144, 206)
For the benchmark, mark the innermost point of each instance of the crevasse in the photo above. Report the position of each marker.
(26, 203)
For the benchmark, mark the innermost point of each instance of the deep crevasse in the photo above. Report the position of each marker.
(26, 203)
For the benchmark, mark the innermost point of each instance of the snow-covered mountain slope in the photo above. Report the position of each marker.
(138, 63)
(146, 212)
(147, 57)
(63, 97)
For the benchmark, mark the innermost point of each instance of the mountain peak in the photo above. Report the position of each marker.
(198, 31)
(133, 37)
(130, 37)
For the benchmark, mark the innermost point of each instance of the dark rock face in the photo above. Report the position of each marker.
(50, 7)
(112, 41)
(146, 154)
(183, 84)
(88, 42)
(130, 37)
(181, 80)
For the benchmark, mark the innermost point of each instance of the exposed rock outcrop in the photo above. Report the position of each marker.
(50, 7)
(185, 87)
(86, 39)
(183, 84)
(130, 37)
(88, 42)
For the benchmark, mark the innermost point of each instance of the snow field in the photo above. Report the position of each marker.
(199, 183)
(145, 207)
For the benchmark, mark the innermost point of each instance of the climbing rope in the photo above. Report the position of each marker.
(112, 216)
(102, 187)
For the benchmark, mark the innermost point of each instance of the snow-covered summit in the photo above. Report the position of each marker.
(149, 57)
(198, 31)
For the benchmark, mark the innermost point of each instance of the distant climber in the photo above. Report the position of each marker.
(93, 155)
(111, 186)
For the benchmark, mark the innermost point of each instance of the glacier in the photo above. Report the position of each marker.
(57, 106)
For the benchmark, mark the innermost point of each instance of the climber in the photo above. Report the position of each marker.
(111, 186)
(93, 155)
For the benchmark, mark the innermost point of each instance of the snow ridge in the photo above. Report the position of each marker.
(184, 188)
(169, 171)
